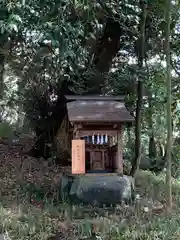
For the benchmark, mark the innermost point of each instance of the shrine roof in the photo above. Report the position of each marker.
(99, 110)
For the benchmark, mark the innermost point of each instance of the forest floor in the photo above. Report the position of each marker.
(29, 208)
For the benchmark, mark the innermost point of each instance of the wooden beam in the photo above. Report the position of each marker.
(95, 98)
(76, 131)
(119, 158)
(99, 126)
(83, 133)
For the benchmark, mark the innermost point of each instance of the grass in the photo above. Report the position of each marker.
(29, 207)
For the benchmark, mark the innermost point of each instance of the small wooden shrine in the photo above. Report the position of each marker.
(97, 123)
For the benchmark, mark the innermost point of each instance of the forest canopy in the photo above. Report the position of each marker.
(52, 48)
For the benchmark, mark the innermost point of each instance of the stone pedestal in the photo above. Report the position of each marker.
(98, 190)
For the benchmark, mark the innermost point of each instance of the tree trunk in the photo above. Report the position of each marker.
(152, 144)
(2, 58)
(4, 46)
(141, 56)
(45, 135)
(169, 100)
(46, 132)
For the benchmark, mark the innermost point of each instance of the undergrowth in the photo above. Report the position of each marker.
(31, 209)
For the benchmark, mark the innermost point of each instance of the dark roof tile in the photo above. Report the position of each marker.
(98, 111)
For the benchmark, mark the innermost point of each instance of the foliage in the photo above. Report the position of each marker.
(32, 215)
(49, 48)
(5, 130)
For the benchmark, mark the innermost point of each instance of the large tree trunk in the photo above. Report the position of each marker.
(141, 56)
(169, 100)
(45, 134)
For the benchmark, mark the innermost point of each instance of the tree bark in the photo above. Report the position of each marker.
(141, 56)
(47, 130)
(4, 47)
(2, 59)
(169, 101)
(152, 144)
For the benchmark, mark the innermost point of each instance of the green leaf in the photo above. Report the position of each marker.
(15, 17)
(23, 2)
(2, 29)
(13, 27)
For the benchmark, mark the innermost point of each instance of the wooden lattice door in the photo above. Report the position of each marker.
(97, 160)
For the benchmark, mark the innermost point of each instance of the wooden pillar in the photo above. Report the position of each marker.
(119, 158)
(110, 141)
(76, 131)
